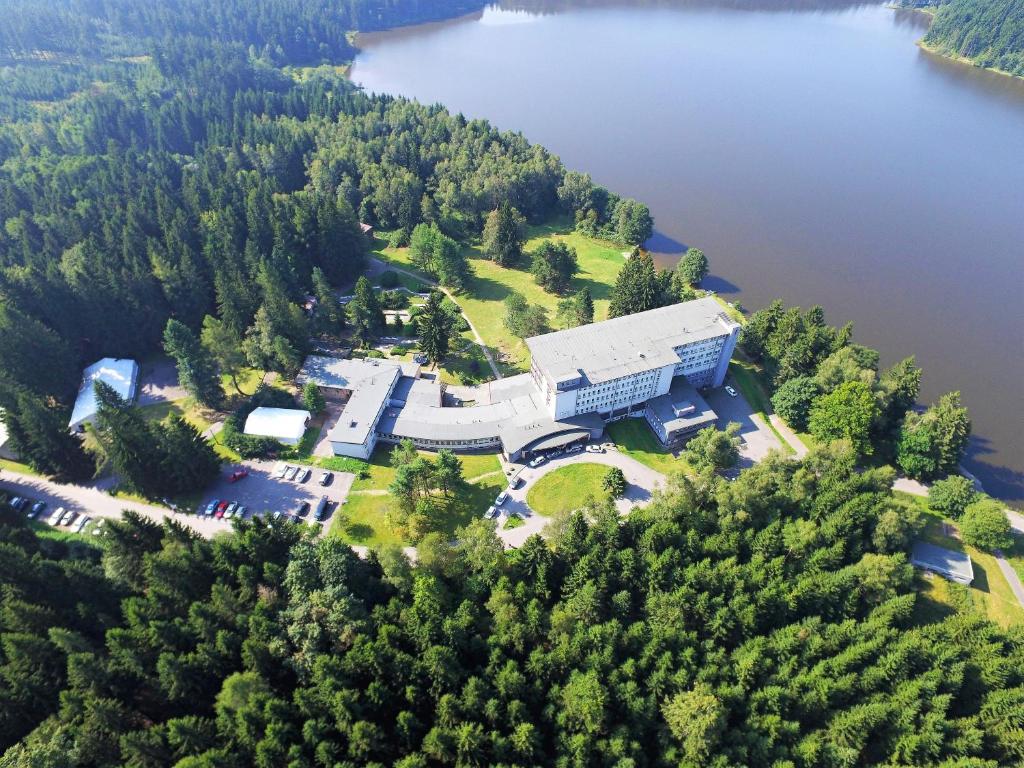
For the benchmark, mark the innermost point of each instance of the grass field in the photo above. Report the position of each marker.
(482, 301)
(567, 488)
(635, 439)
(989, 593)
(363, 518)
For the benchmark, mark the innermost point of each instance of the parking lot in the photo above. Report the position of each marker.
(758, 437)
(263, 493)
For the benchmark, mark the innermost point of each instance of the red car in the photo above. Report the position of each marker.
(220, 510)
(237, 475)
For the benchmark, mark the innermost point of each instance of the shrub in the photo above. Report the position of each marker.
(952, 495)
(984, 525)
(389, 279)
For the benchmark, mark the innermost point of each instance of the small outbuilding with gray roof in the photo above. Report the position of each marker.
(954, 565)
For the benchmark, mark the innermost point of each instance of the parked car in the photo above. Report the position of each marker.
(326, 478)
(68, 518)
(82, 522)
(592, 448)
(242, 512)
(302, 510)
(515, 482)
(291, 473)
(321, 508)
(277, 514)
(575, 449)
(230, 511)
(18, 503)
(537, 461)
(211, 508)
(491, 513)
(221, 509)
(36, 509)
(238, 474)
(502, 497)
(303, 475)
(555, 454)
(280, 470)
(98, 528)
(732, 392)
(58, 513)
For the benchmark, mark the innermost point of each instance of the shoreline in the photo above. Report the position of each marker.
(965, 61)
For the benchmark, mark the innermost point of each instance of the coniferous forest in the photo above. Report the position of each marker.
(205, 161)
(770, 621)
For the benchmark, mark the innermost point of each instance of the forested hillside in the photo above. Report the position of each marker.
(167, 160)
(990, 33)
(766, 621)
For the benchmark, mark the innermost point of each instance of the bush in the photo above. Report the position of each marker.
(952, 495)
(375, 353)
(984, 525)
(394, 299)
(399, 238)
(792, 401)
(389, 279)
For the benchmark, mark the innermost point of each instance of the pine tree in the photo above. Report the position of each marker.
(435, 326)
(128, 442)
(188, 462)
(330, 318)
(39, 435)
(225, 347)
(636, 287)
(502, 237)
(197, 371)
(365, 312)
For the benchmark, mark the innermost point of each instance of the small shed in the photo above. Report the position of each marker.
(286, 425)
(367, 230)
(120, 375)
(955, 566)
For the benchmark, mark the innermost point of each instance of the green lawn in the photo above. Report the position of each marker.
(482, 301)
(363, 517)
(750, 379)
(566, 488)
(17, 467)
(635, 439)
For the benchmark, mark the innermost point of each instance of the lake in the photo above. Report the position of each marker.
(812, 150)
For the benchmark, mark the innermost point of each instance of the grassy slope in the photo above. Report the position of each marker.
(482, 301)
(566, 488)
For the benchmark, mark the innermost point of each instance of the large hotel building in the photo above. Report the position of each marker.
(647, 365)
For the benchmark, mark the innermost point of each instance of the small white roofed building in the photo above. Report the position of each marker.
(120, 375)
(955, 566)
(5, 440)
(286, 425)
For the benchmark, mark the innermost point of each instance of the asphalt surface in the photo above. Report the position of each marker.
(263, 493)
(641, 483)
(758, 438)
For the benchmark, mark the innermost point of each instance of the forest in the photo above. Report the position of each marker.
(990, 33)
(766, 621)
(201, 176)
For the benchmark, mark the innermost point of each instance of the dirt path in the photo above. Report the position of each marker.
(1011, 576)
(789, 436)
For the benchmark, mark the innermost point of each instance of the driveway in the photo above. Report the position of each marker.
(641, 483)
(158, 383)
(262, 493)
(332, 412)
(758, 438)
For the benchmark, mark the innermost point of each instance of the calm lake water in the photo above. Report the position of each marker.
(815, 153)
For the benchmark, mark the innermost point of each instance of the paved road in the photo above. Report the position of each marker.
(641, 483)
(94, 502)
(158, 383)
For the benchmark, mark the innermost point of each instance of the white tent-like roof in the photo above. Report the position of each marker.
(121, 375)
(287, 425)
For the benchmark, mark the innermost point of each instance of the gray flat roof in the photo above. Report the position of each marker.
(419, 391)
(358, 417)
(342, 373)
(631, 344)
(942, 560)
(667, 407)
